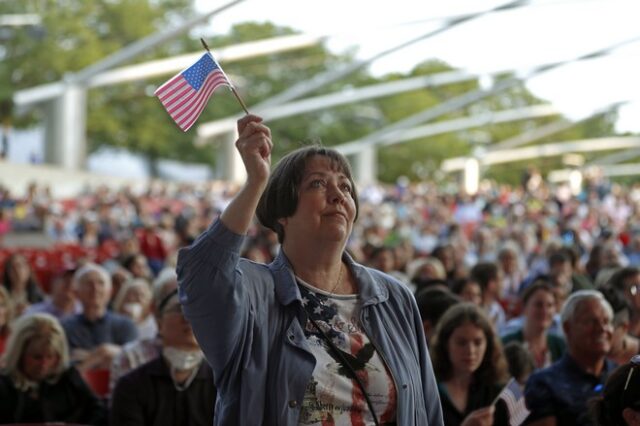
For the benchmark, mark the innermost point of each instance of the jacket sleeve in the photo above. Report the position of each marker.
(429, 384)
(214, 297)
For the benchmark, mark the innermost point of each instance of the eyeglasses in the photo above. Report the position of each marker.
(635, 362)
(634, 289)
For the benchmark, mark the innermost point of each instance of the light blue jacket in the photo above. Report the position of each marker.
(247, 319)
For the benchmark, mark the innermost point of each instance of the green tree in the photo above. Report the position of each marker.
(76, 33)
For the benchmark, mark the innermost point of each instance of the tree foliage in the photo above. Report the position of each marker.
(74, 34)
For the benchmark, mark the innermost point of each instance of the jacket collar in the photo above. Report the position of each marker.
(370, 289)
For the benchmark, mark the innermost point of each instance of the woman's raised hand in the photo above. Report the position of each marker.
(254, 145)
(480, 417)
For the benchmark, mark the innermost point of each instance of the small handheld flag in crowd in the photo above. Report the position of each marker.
(185, 95)
(513, 396)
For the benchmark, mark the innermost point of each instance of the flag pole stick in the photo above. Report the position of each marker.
(500, 394)
(233, 89)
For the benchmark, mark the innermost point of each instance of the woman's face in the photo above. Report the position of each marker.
(540, 309)
(137, 295)
(136, 304)
(39, 359)
(508, 262)
(467, 346)
(472, 293)
(139, 267)
(326, 210)
(19, 272)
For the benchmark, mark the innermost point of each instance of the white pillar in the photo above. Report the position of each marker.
(471, 176)
(230, 166)
(65, 138)
(365, 166)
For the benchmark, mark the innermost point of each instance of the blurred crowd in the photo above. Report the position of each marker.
(98, 296)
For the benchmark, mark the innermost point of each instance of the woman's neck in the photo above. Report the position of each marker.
(460, 380)
(458, 390)
(534, 334)
(321, 269)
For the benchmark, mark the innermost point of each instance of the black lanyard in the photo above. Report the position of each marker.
(345, 364)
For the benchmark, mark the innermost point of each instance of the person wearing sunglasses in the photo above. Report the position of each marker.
(619, 404)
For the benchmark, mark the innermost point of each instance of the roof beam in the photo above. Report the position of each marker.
(546, 150)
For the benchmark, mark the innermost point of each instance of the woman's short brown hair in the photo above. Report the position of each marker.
(280, 197)
(493, 368)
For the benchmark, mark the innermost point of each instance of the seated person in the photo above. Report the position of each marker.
(176, 388)
(6, 317)
(468, 290)
(619, 404)
(20, 281)
(520, 362)
(470, 367)
(488, 276)
(539, 301)
(96, 335)
(139, 352)
(62, 301)
(134, 301)
(433, 302)
(38, 384)
(558, 395)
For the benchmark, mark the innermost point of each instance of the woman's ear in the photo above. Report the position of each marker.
(631, 416)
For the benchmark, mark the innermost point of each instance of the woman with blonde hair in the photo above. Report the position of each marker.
(38, 384)
(134, 301)
(470, 368)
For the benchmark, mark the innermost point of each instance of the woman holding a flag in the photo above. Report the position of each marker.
(313, 338)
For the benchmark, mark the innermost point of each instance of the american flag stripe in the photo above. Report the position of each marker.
(201, 98)
(163, 91)
(197, 104)
(191, 116)
(178, 106)
(514, 399)
(185, 95)
(178, 89)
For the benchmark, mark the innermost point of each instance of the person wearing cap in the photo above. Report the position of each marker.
(619, 404)
(558, 394)
(175, 388)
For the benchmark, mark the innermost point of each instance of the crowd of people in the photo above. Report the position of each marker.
(527, 281)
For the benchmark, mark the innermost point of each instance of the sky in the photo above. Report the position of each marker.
(545, 31)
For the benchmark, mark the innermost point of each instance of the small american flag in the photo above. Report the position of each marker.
(185, 95)
(514, 398)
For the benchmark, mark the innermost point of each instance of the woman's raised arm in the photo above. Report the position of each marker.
(254, 145)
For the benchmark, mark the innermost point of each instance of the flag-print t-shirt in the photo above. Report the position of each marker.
(332, 397)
